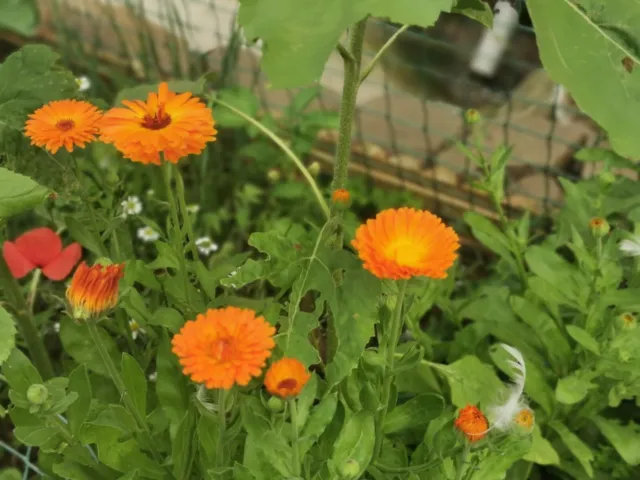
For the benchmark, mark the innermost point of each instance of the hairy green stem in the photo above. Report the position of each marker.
(222, 426)
(177, 240)
(295, 462)
(185, 214)
(285, 149)
(388, 347)
(369, 68)
(350, 86)
(24, 320)
(462, 461)
(33, 289)
(122, 389)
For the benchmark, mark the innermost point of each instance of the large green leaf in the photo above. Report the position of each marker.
(625, 438)
(8, 338)
(77, 343)
(542, 452)
(592, 46)
(476, 9)
(297, 49)
(19, 16)
(19, 193)
(472, 381)
(577, 447)
(356, 441)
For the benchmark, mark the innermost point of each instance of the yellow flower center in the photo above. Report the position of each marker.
(65, 125)
(405, 252)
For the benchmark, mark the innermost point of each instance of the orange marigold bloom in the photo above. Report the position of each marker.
(472, 422)
(175, 125)
(63, 123)
(224, 346)
(286, 378)
(341, 195)
(525, 419)
(94, 290)
(403, 243)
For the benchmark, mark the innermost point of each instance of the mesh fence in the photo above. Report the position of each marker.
(410, 110)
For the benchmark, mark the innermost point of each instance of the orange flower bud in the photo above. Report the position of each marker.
(472, 422)
(341, 196)
(286, 378)
(94, 290)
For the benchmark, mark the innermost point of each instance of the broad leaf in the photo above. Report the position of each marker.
(135, 383)
(576, 446)
(8, 338)
(573, 389)
(356, 441)
(19, 193)
(624, 438)
(542, 452)
(471, 381)
(592, 47)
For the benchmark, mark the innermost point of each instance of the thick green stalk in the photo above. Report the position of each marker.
(388, 347)
(24, 320)
(462, 461)
(122, 389)
(295, 462)
(185, 214)
(222, 427)
(177, 240)
(350, 86)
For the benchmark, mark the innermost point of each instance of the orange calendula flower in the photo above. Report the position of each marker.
(405, 242)
(525, 419)
(168, 123)
(94, 290)
(472, 422)
(286, 378)
(224, 346)
(63, 123)
(341, 195)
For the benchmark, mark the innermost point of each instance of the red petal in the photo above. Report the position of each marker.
(39, 246)
(18, 265)
(61, 266)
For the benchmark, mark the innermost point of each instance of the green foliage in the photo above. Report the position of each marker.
(19, 193)
(8, 329)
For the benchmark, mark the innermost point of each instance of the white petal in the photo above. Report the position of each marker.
(630, 247)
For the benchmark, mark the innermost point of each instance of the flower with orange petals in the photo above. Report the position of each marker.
(286, 378)
(63, 123)
(525, 419)
(168, 123)
(94, 290)
(341, 196)
(224, 346)
(404, 243)
(472, 422)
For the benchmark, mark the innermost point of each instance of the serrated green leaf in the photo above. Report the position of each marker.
(577, 447)
(8, 338)
(593, 47)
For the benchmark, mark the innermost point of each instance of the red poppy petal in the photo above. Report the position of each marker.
(61, 266)
(39, 246)
(18, 265)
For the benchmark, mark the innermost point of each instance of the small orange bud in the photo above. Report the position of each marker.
(525, 419)
(286, 378)
(341, 196)
(472, 422)
(599, 226)
(94, 290)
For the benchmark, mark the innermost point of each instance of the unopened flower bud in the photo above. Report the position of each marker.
(314, 169)
(525, 420)
(599, 227)
(275, 404)
(349, 470)
(628, 321)
(341, 197)
(472, 116)
(37, 394)
(273, 175)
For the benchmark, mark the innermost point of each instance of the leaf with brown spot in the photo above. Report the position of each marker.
(627, 63)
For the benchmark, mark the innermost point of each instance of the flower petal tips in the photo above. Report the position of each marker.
(224, 347)
(286, 378)
(404, 243)
(167, 123)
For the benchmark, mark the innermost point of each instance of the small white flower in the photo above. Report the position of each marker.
(56, 327)
(131, 206)
(504, 415)
(136, 329)
(83, 82)
(147, 234)
(206, 246)
(193, 209)
(153, 376)
(631, 247)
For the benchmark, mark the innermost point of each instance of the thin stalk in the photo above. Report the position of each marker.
(350, 86)
(369, 68)
(167, 170)
(388, 346)
(295, 462)
(24, 320)
(185, 214)
(222, 426)
(33, 289)
(119, 383)
(285, 149)
(463, 461)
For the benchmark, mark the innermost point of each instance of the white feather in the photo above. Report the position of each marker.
(503, 415)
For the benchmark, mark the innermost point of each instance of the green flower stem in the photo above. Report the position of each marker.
(119, 383)
(388, 348)
(177, 241)
(369, 68)
(350, 86)
(24, 320)
(33, 289)
(295, 462)
(286, 150)
(222, 426)
(462, 461)
(185, 214)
